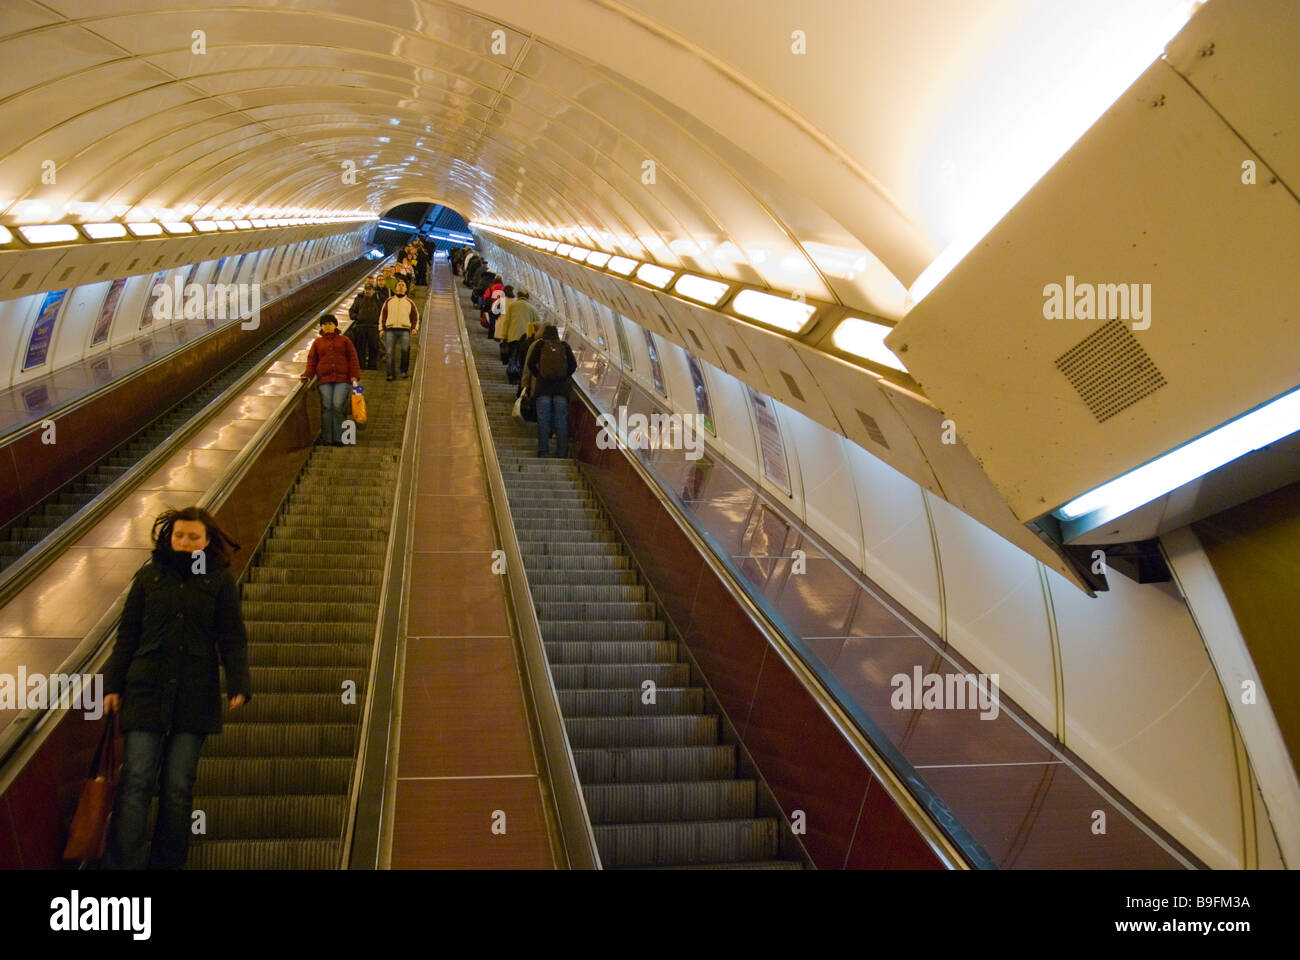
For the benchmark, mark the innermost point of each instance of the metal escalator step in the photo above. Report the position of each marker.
(318, 576)
(568, 548)
(329, 538)
(576, 561)
(606, 611)
(287, 592)
(271, 632)
(282, 739)
(339, 550)
(573, 533)
(617, 630)
(583, 592)
(234, 776)
(580, 579)
(332, 559)
(265, 855)
(703, 841)
(613, 676)
(673, 731)
(294, 679)
(309, 654)
(619, 703)
(615, 652)
(273, 818)
(661, 802)
(311, 612)
(300, 708)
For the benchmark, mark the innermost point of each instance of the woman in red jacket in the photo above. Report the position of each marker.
(332, 360)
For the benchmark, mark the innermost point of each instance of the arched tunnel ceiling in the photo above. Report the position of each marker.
(841, 171)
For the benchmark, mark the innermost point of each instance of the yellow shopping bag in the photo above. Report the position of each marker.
(358, 409)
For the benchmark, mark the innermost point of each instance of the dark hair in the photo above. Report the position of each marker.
(327, 318)
(549, 332)
(219, 542)
(509, 291)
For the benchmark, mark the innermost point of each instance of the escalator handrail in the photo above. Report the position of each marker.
(94, 648)
(928, 815)
(577, 838)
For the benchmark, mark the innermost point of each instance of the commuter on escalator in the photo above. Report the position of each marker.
(398, 321)
(332, 360)
(519, 316)
(365, 326)
(381, 290)
(405, 271)
(551, 363)
(490, 295)
(496, 323)
(181, 619)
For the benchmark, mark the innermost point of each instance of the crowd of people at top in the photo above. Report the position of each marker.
(537, 361)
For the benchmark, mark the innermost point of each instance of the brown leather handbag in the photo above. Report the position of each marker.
(89, 829)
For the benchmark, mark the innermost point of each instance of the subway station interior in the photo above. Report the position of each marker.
(931, 498)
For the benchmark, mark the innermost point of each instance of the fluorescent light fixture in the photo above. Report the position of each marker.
(145, 228)
(622, 265)
(782, 312)
(563, 249)
(177, 226)
(866, 339)
(244, 224)
(103, 231)
(5, 235)
(1267, 424)
(225, 225)
(597, 259)
(579, 254)
(654, 275)
(700, 288)
(259, 223)
(205, 226)
(49, 233)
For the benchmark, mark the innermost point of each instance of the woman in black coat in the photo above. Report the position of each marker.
(181, 614)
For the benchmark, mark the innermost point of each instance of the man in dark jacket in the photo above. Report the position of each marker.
(181, 618)
(365, 327)
(551, 362)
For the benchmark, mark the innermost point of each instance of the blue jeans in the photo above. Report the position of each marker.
(146, 751)
(393, 338)
(334, 409)
(552, 414)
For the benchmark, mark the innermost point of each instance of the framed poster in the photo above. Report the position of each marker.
(625, 353)
(771, 447)
(656, 369)
(38, 344)
(106, 311)
(155, 292)
(702, 403)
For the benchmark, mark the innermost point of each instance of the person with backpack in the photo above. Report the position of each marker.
(332, 360)
(365, 326)
(496, 327)
(181, 622)
(551, 363)
(494, 290)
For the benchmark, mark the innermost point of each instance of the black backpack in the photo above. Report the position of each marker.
(552, 363)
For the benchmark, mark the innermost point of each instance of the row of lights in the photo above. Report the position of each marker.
(853, 335)
(43, 234)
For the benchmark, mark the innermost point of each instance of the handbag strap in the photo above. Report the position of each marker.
(105, 763)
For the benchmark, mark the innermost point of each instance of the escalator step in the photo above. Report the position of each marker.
(654, 802)
(686, 842)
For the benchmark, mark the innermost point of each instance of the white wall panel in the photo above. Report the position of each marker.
(731, 417)
(73, 330)
(830, 502)
(996, 613)
(898, 552)
(1144, 706)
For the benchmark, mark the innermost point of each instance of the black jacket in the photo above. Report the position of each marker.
(365, 310)
(174, 626)
(550, 388)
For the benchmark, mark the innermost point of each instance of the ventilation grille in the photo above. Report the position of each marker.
(22, 281)
(1110, 370)
(102, 268)
(66, 273)
(735, 358)
(695, 338)
(873, 429)
(792, 386)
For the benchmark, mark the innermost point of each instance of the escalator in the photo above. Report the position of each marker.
(274, 786)
(25, 532)
(661, 787)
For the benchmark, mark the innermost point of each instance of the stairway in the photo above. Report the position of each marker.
(661, 788)
(24, 533)
(274, 784)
